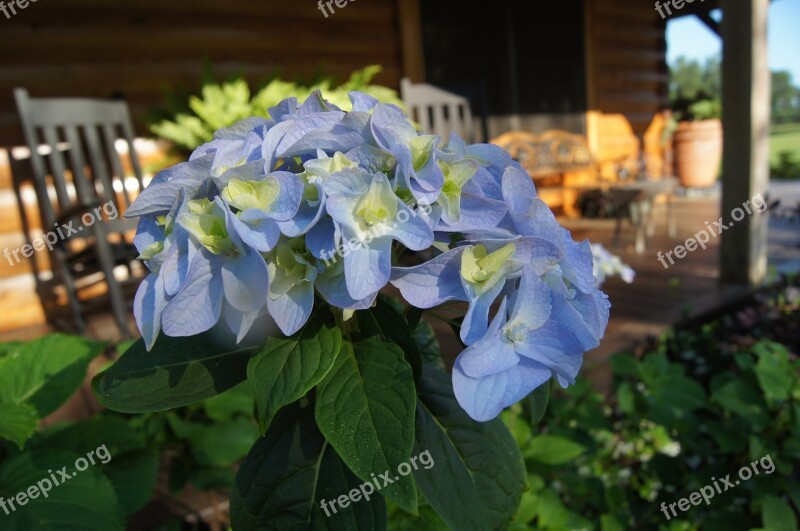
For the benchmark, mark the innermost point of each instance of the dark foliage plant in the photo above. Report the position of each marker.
(699, 403)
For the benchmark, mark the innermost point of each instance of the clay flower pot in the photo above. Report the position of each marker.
(698, 152)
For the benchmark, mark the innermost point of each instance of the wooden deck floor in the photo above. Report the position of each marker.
(658, 298)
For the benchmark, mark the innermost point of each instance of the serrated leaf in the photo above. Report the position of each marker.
(178, 371)
(552, 450)
(365, 408)
(46, 372)
(478, 475)
(18, 422)
(283, 480)
(66, 502)
(117, 449)
(287, 368)
(385, 322)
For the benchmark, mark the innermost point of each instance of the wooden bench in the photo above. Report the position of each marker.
(558, 162)
(563, 167)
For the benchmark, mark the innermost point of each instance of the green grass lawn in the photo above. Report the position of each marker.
(784, 137)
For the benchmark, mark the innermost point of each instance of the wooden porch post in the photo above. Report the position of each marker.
(410, 20)
(746, 120)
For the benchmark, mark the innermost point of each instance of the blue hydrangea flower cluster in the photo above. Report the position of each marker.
(313, 200)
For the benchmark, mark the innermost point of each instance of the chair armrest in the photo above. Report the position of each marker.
(77, 210)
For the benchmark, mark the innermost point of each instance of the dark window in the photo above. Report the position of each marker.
(511, 56)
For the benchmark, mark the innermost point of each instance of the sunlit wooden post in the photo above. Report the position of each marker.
(746, 119)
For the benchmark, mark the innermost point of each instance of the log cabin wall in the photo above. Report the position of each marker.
(144, 49)
(627, 82)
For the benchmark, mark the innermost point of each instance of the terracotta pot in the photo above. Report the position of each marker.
(698, 152)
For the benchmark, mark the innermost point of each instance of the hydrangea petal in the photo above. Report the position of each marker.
(196, 307)
(368, 268)
(148, 305)
(292, 309)
(245, 281)
(432, 283)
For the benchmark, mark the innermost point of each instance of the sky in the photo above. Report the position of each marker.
(690, 37)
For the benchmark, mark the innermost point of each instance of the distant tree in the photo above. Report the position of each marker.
(785, 98)
(692, 81)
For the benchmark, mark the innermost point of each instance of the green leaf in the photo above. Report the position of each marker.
(428, 520)
(626, 398)
(742, 399)
(608, 522)
(680, 394)
(178, 371)
(85, 501)
(777, 515)
(429, 348)
(774, 371)
(18, 422)
(336, 486)
(413, 318)
(553, 514)
(133, 476)
(237, 401)
(385, 322)
(118, 451)
(477, 475)
(287, 368)
(527, 508)
(222, 443)
(365, 408)
(209, 477)
(9, 347)
(46, 372)
(287, 474)
(537, 402)
(552, 450)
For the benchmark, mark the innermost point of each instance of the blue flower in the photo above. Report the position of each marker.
(291, 285)
(204, 267)
(188, 180)
(371, 216)
(262, 203)
(311, 200)
(417, 166)
(477, 273)
(548, 330)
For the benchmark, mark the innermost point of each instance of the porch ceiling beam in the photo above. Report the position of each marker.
(746, 121)
(712, 24)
